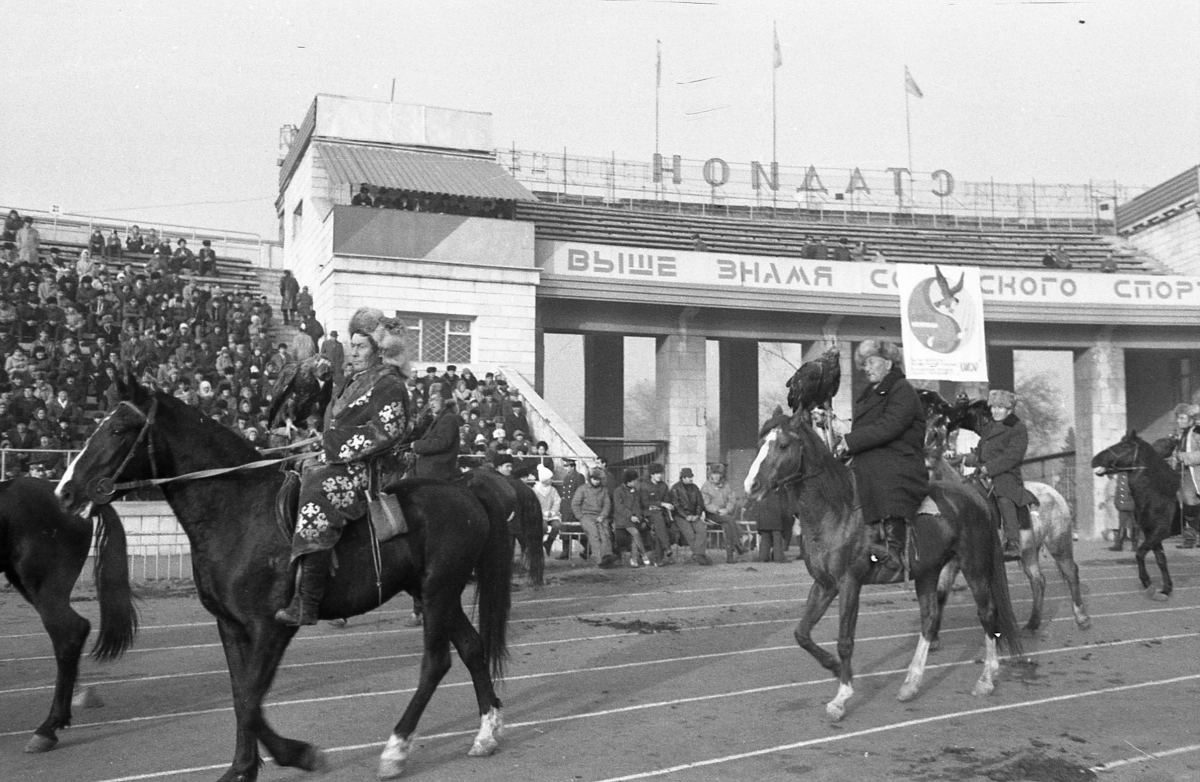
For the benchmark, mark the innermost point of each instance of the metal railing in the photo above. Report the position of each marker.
(630, 184)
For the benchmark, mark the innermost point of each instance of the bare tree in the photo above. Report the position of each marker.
(1039, 405)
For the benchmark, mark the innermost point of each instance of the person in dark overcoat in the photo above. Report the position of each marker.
(437, 448)
(771, 518)
(887, 442)
(1001, 449)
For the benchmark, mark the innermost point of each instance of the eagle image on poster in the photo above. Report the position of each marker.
(942, 312)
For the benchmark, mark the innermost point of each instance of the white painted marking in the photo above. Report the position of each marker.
(1109, 766)
(755, 691)
(758, 460)
(694, 699)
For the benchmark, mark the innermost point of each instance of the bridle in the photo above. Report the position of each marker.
(1137, 444)
(799, 477)
(101, 491)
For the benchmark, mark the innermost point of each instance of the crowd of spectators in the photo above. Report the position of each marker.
(71, 326)
(391, 198)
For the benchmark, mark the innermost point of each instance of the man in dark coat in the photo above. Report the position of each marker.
(1002, 445)
(571, 481)
(887, 443)
(289, 289)
(688, 508)
(437, 449)
(333, 350)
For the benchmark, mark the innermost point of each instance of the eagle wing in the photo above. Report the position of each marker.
(301, 390)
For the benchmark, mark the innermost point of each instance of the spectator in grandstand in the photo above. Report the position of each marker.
(363, 197)
(437, 448)
(96, 242)
(593, 507)
(28, 242)
(12, 224)
(112, 246)
(183, 259)
(134, 241)
(841, 250)
(688, 508)
(1109, 266)
(720, 505)
(85, 265)
(304, 303)
(1056, 258)
(302, 345)
(698, 243)
(206, 261)
(289, 289)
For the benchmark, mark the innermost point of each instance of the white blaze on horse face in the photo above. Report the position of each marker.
(758, 460)
(69, 475)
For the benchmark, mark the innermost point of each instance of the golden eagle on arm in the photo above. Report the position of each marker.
(816, 382)
(301, 390)
(949, 294)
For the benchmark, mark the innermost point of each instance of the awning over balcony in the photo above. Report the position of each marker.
(420, 172)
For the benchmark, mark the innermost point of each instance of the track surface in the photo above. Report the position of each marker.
(679, 673)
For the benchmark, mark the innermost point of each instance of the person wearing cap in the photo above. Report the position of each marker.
(1185, 458)
(449, 380)
(658, 508)
(571, 481)
(720, 506)
(437, 447)
(1001, 449)
(629, 514)
(368, 419)
(551, 504)
(592, 505)
(887, 442)
(688, 508)
(427, 381)
(335, 353)
(363, 196)
(289, 289)
(503, 463)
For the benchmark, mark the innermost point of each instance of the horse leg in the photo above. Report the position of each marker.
(68, 632)
(1139, 556)
(987, 611)
(1064, 559)
(470, 650)
(930, 598)
(253, 654)
(944, 584)
(434, 665)
(1161, 558)
(1031, 564)
(847, 623)
(991, 666)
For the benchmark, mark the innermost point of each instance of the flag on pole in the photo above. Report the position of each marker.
(778, 51)
(910, 84)
(658, 65)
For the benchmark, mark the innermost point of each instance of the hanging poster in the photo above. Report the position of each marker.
(941, 316)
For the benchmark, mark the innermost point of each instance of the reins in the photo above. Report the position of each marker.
(102, 490)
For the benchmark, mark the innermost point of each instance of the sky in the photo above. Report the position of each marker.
(171, 112)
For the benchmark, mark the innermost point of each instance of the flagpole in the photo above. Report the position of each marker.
(908, 131)
(657, 90)
(774, 111)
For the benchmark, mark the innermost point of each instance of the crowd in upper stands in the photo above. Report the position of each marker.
(391, 198)
(70, 327)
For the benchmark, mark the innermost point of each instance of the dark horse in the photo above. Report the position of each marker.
(42, 551)
(1051, 524)
(822, 492)
(1153, 486)
(240, 562)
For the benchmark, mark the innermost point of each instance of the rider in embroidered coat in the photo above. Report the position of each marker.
(369, 417)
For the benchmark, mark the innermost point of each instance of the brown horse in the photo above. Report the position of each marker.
(822, 492)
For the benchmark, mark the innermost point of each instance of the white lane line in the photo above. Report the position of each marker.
(576, 639)
(668, 610)
(755, 691)
(640, 664)
(1166, 753)
(1017, 574)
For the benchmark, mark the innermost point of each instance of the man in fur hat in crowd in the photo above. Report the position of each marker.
(369, 416)
(1185, 457)
(1002, 445)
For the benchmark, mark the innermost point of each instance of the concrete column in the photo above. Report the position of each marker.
(682, 401)
(1100, 421)
(603, 385)
(1000, 368)
(739, 395)
(539, 356)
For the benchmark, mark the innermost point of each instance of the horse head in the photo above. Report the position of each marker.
(1125, 455)
(790, 451)
(119, 450)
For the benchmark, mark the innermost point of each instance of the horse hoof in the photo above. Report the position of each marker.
(394, 757)
(983, 689)
(935, 644)
(87, 699)
(835, 711)
(1085, 623)
(40, 743)
(313, 759)
(481, 749)
(1160, 597)
(907, 693)
(390, 769)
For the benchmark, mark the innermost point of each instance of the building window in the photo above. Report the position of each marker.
(297, 219)
(436, 338)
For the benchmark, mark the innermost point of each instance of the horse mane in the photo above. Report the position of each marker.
(832, 481)
(1162, 478)
(229, 444)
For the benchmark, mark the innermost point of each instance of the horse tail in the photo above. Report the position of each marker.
(118, 616)
(1008, 635)
(493, 572)
(533, 531)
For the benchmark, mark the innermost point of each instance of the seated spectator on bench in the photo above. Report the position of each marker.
(206, 263)
(134, 241)
(96, 242)
(363, 197)
(112, 247)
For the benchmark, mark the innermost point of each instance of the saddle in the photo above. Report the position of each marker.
(383, 510)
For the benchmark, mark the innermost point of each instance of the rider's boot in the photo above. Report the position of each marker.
(1012, 537)
(890, 554)
(304, 608)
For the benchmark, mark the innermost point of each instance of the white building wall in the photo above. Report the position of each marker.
(1175, 242)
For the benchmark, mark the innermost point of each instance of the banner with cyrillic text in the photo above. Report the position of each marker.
(941, 322)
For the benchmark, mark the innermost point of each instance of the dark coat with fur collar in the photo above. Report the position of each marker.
(887, 443)
(1002, 446)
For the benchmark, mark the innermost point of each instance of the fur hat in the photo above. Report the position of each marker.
(596, 473)
(630, 474)
(1000, 398)
(686, 472)
(1191, 411)
(544, 474)
(876, 347)
(385, 332)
